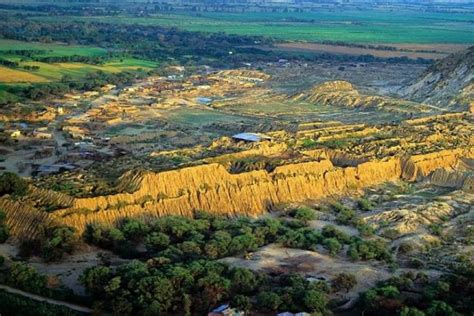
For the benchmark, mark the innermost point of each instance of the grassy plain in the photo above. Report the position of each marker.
(8, 75)
(376, 26)
(47, 72)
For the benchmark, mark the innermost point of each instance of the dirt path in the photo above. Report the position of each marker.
(39, 298)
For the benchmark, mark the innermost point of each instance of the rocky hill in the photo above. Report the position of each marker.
(343, 93)
(442, 83)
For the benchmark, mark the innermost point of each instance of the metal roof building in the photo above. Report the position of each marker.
(251, 137)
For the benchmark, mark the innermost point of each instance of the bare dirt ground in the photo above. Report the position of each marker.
(431, 51)
(317, 266)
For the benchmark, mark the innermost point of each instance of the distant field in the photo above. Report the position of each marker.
(48, 72)
(376, 26)
(8, 75)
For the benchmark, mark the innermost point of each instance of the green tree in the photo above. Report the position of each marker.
(190, 249)
(243, 280)
(213, 288)
(10, 183)
(156, 241)
(58, 241)
(95, 279)
(155, 295)
(440, 308)
(134, 229)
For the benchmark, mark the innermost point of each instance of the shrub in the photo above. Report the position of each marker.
(365, 205)
(304, 214)
(344, 281)
(333, 245)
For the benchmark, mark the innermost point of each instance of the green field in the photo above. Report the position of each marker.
(50, 72)
(51, 49)
(376, 26)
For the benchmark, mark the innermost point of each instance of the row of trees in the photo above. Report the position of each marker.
(181, 238)
(212, 237)
(93, 60)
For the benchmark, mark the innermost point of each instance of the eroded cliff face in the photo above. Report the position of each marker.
(417, 167)
(212, 188)
(23, 220)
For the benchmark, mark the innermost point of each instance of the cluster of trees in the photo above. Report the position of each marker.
(52, 243)
(182, 238)
(160, 287)
(11, 183)
(416, 295)
(21, 276)
(334, 240)
(212, 237)
(24, 278)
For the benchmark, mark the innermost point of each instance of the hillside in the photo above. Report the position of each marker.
(444, 80)
(344, 94)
